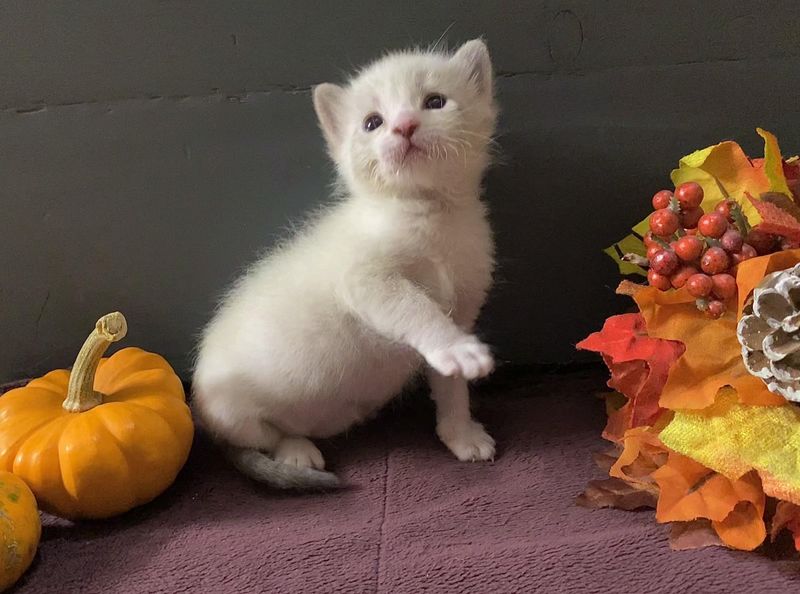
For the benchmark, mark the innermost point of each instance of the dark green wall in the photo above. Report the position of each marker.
(149, 149)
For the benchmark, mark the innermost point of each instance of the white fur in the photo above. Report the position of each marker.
(326, 329)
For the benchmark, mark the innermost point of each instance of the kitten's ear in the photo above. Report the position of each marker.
(328, 103)
(473, 57)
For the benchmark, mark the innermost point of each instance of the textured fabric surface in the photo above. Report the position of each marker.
(413, 520)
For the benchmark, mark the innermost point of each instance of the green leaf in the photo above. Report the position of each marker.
(630, 244)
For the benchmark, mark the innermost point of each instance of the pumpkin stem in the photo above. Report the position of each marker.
(81, 395)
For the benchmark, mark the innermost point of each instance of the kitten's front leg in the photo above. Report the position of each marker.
(466, 358)
(401, 310)
(466, 438)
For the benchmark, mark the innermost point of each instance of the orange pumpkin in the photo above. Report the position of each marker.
(98, 441)
(20, 529)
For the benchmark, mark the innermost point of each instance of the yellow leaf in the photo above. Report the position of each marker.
(733, 439)
(698, 157)
(773, 163)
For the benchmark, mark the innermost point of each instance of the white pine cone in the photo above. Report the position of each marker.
(769, 333)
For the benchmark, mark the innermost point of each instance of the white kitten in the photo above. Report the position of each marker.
(327, 329)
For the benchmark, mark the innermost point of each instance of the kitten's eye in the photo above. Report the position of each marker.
(435, 101)
(373, 122)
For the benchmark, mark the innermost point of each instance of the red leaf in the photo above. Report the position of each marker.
(791, 171)
(639, 368)
(775, 219)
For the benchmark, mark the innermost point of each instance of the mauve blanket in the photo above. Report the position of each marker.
(413, 520)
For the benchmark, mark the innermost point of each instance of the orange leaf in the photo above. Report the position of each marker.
(751, 272)
(712, 358)
(642, 454)
(685, 485)
(723, 170)
(744, 528)
(689, 491)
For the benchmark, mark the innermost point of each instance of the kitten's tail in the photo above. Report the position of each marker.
(259, 466)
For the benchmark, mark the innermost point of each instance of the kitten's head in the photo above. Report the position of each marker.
(412, 121)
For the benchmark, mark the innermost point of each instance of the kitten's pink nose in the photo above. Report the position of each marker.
(405, 126)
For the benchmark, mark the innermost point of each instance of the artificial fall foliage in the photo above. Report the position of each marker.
(639, 367)
(712, 357)
(735, 439)
(723, 171)
(695, 434)
(787, 516)
(689, 490)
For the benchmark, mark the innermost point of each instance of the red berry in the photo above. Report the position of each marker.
(724, 208)
(712, 224)
(732, 240)
(664, 262)
(662, 199)
(649, 239)
(715, 309)
(764, 243)
(714, 261)
(724, 286)
(659, 281)
(689, 195)
(689, 248)
(680, 276)
(746, 253)
(699, 285)
(653, 250)
(691, 216)
(664, 222)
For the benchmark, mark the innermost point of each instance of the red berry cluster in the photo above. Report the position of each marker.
(689, 247)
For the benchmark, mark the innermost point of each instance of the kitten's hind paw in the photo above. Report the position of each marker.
(299, 452)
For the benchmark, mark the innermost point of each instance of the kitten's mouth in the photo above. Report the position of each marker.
(409, 153)
(405, 156)
(412, 150)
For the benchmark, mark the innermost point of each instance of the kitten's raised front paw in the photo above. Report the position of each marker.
(468, 357)
(300, 452)
(468, 441)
